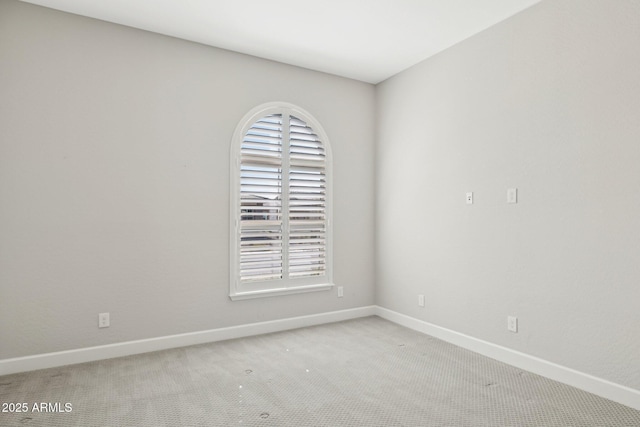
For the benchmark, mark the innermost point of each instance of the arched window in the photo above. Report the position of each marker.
(280, 204)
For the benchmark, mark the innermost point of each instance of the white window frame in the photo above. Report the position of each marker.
(239, 290)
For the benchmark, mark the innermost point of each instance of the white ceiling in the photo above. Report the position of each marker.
(368, 40)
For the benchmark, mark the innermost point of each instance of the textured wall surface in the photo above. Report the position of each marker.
(114, 181)
(548, 102)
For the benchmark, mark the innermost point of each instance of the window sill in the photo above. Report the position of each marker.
(280, 291)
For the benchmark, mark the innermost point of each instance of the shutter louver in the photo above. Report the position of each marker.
(261, 239)
(307, 202)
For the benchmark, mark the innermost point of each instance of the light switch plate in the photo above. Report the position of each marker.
(103, 320)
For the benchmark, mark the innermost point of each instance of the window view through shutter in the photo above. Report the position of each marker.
(307, 202)
(280, 229)
(261, 202)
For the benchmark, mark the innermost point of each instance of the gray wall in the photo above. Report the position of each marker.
(548, 102)
(114, 181)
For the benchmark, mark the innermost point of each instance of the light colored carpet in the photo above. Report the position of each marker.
(363, 372)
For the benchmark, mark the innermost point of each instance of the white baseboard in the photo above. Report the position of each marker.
(598, 386)
(89, 354)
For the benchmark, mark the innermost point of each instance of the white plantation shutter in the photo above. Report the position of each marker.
(307, 192)
(280, 205)
(261, 201)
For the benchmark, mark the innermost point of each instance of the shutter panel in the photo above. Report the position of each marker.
(260, 234)
(306, 201)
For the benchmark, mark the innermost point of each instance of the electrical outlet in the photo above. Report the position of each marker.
(421, 300)
(512, 195)
(512, 324)
(340, 291)
(103, 320)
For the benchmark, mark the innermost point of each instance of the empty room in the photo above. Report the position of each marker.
(319, 213)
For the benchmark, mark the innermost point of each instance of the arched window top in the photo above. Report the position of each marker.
(280, 203)
(273, 110)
